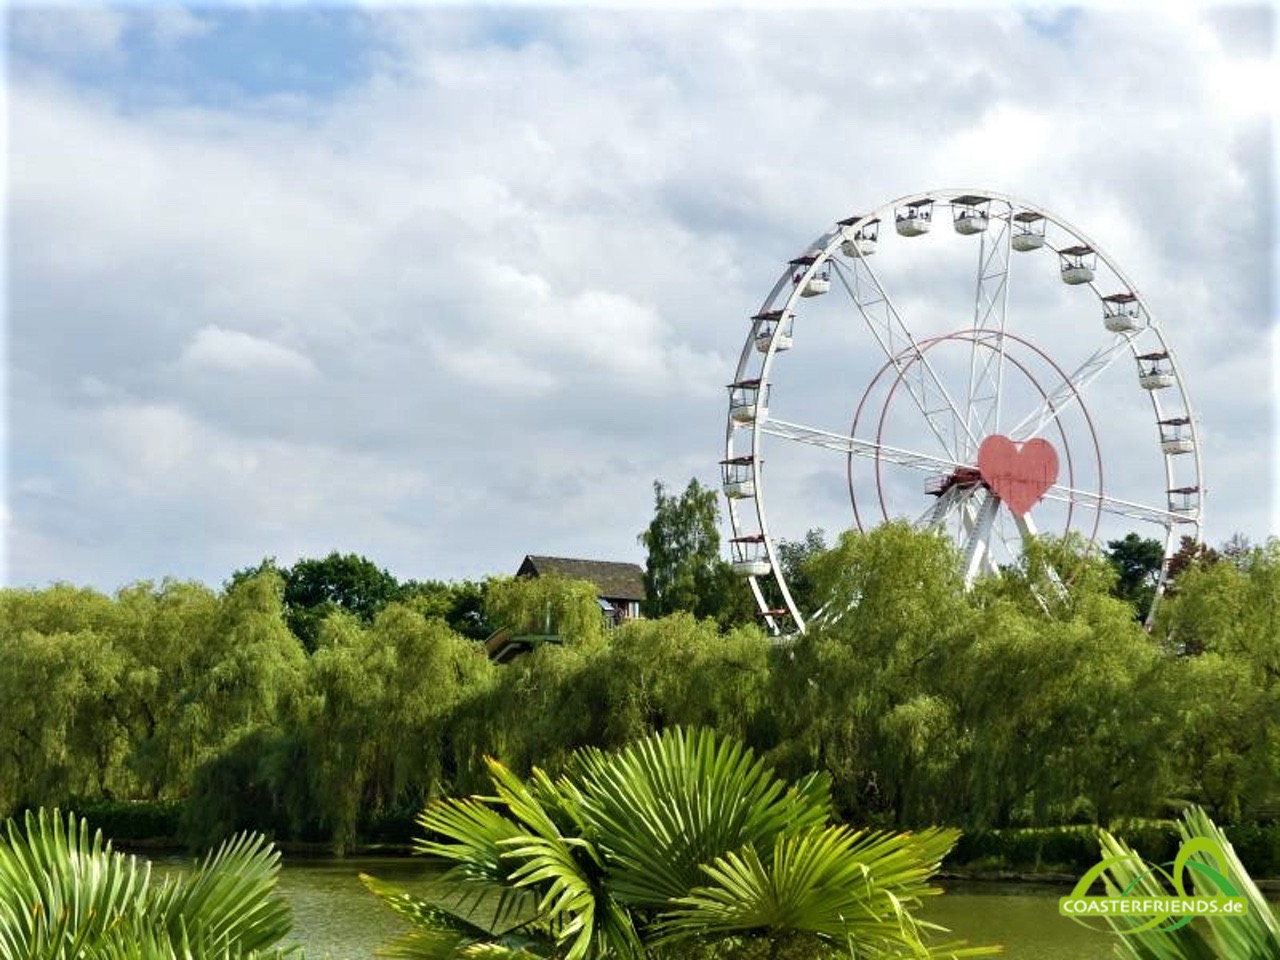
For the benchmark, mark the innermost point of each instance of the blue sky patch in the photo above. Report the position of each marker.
(238, 54)
(1054, 23)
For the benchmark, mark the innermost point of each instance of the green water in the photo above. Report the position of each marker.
(334, 916)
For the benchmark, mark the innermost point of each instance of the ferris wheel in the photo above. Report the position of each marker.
(994, 380)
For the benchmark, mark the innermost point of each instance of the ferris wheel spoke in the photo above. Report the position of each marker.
(1164, 517)
(1070, 391)
(986, 356)
(940, 412)
(845, 444)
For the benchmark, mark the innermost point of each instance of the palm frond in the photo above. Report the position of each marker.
(1253, 936)
(60, 889)
(65, 894)
(831, 882)
(671, 802)
(686, 825)
(574, 900)
(229, 899)
(475, 844)
(440, 933)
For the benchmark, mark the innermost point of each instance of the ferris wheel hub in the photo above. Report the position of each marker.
(1019, 474)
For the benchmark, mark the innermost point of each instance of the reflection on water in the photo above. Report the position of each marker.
(1022, 917)
(334, 916)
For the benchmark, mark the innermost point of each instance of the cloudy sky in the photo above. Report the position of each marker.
(448, 286)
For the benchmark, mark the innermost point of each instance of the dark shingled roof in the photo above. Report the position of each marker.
(615, 581)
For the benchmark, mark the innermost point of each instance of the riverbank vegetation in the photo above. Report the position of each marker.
(317, 716)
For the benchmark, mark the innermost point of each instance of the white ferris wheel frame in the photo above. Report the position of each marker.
(958, 427)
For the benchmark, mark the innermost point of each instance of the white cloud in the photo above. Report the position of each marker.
(523, 253)
(234, 351)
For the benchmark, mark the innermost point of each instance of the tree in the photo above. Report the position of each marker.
(1190, 553)
(684, 568)
(1137, 561)
(795, 557)
(1236, 549)
(675, 846)
(547, 605)
(895, 602)
(680, 671)
(315, 588)
(1223, 623)
(58, 736)
(166, 633)
(460, 604)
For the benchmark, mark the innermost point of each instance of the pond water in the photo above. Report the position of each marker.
(335, 917)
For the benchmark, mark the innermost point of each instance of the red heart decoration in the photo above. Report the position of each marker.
(1019, 476)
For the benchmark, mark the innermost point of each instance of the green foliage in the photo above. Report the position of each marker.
(683, 671)
(857, 691)
(1224, 621)
(64, 894)
(683, 568)
(134, 819)
(795, 557)
(373, 714)
(668, 847)
(1034, 699)
(547, 704)
(1137, 561)
(548, 605)
(236, 790)
(461, 605)
(315, 588)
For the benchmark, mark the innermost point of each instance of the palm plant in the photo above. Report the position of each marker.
(64, 894)
(683, 844)
(1252, 936)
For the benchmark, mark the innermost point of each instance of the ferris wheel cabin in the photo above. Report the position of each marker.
(768, 332)
(816, 280)
(1028, 233)
(1120, 312)
(914, 219)
(738, 477)
(1174, 437)
(1184, 500)
(860, 242)
(1153, 376)
(1078, 264)
(970, 214)
(750, 557)
(748, 401)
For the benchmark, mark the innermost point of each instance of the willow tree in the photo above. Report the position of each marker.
(164, 631)
(551, 606)
(58, 737)
(376, 704)
(682, 671)
(894, 605)
(1223, 623)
